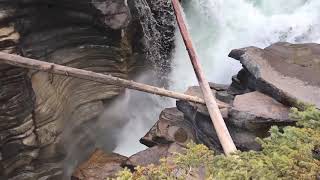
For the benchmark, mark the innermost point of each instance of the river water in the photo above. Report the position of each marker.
(217, 27)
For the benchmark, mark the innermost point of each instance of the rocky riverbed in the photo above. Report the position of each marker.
(272, 80)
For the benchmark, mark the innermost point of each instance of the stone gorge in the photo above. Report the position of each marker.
(111, 36)
(42, 114)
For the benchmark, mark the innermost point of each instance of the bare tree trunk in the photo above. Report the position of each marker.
(216, 117)
(19, 61)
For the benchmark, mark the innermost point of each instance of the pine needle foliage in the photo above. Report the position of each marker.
(287, 154)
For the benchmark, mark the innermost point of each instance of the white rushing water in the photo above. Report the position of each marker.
(217, 27)
(143, 111)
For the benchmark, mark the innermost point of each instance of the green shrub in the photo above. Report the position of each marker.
(286, 154)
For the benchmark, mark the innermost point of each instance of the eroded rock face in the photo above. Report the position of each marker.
(37, 108)
(79, 36)
(287, 72)
(18, 144)
(99, 166)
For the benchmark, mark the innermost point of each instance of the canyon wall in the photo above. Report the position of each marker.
(113, 37)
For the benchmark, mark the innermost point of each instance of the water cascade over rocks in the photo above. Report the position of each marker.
(49, 124)
(217, 27)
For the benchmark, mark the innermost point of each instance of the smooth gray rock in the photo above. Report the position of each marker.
(256, 112)
(287, 72)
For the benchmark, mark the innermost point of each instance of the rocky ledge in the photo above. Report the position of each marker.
(272, 80)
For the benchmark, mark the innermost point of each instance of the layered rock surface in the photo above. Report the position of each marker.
(37, 109)
(287, 72)
(18, 144)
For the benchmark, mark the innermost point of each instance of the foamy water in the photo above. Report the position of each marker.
(218, 26)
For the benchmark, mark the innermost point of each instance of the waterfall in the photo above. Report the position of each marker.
(217, 27)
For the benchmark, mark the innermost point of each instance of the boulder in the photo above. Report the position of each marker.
(99, 166)
(205, 133)
(153, 155)
(250, 115)
(191, 122)
(287, 72)
(256, 112)
(171, 127)
(222, 97)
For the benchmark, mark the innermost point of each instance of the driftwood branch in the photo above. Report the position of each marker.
(216, 117)
(19, 61)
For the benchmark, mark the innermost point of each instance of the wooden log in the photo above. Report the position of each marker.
(19, 61)
(216, 117)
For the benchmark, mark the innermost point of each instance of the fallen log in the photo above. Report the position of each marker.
(216, 117)
(29, 63)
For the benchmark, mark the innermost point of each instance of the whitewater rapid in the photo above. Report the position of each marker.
(217, 27)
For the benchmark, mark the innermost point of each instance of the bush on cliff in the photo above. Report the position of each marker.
(289, 153)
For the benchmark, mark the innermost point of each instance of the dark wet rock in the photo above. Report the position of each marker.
(153, 155)
(224, 96)
(18, 145)
(157, 21)
(99, 166)
(241, 83)
(286, 72)
(171, 127)
(218, 87)
(256, 112)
